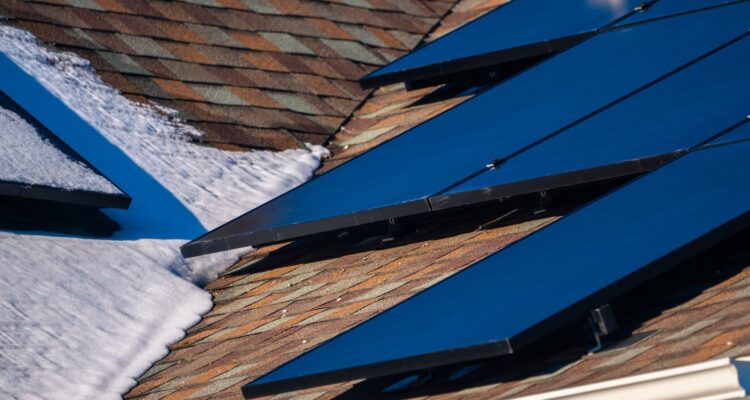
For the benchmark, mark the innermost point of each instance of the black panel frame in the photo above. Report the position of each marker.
(59, 195)
(438, 202)
(574, 178)
(199, 247)
(394, 367)
(445, 71)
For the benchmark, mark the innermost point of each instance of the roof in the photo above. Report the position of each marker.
(282, 300)
(262, 73)
(303, 296)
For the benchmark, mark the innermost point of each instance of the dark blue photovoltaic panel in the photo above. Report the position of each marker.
(672, 115)
(664, 8)
(493, 37)
(537, 284)
(396, 178)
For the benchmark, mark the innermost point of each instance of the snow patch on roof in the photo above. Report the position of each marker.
(83, 318)
(29, 158)
(215, 185)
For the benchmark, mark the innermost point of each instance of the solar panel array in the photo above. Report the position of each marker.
(662, 93)
(635, 135)
(539, 282)
(503, 122)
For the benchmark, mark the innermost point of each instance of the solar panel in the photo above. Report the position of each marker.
(516, 296)
(667, 8)
(635, 135)
(37, 165)
(519, 29)
(389, 181)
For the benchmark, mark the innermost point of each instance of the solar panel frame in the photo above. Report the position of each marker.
(287, 232)
(87, 198)
(463, 64)
(441, 72)
(541, 184)
(723, 225)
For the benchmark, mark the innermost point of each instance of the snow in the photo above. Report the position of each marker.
(82, 317)
(29, 158)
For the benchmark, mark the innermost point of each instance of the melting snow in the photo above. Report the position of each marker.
(82, 318)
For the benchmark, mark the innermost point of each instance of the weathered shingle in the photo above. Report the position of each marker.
(227, 47)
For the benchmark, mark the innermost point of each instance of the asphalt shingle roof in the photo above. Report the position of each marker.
(261, 73)
(272, 73)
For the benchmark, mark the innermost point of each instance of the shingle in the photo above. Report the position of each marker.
(90, 4)
(145, 46)
(363, 35)
(124, 63)
(218, 95)
(293, 102)
(352, 50)
(358, 3)
(286, 43)
(410, 40)
(157, 368)
(215, 386)
(214, 35)
(210, 3)
(260, 6)
(82, 34)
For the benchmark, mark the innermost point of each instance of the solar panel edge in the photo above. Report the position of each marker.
(623, 168)
(284, 233)
(402, 365)
(476, 62)
(419, 47)
(59, 195)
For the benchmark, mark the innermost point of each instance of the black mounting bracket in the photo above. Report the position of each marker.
(603, 323)
(394, 230)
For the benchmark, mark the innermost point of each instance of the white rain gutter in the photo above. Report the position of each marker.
(722, 379)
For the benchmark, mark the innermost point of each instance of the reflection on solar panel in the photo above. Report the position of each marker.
(666, 8)
(544, 280)
(37, 165)
(520, 29)
(389, 181)
(633, 136)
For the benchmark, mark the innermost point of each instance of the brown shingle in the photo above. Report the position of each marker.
(186, 43)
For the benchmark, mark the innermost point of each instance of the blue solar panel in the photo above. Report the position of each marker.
(666, 8)
(520, 29)
(390, 180)
(633, 136)
(515, 296)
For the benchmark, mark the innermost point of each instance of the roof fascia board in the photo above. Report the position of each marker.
(722, 379)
